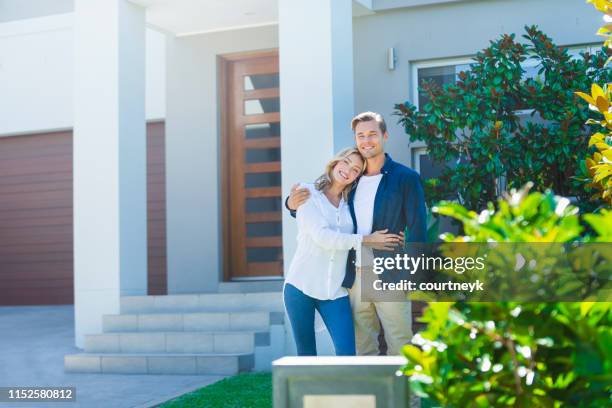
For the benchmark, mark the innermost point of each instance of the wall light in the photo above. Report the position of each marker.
(391, 58)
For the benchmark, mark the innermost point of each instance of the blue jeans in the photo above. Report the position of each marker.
(336, 314)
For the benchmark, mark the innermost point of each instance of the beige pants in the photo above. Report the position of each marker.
(396, 319)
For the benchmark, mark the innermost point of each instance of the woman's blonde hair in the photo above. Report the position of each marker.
(325, 179)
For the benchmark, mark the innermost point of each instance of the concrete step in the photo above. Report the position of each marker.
(268, 285)
(209, 302)
(152, 363)
(213, 321)
(176, 342)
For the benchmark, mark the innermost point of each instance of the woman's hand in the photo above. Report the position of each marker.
(383, 240)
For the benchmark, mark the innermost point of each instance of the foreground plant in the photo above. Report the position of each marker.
(596, 169)
(516, 354)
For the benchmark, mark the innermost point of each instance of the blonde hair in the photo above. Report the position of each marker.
(325, 179)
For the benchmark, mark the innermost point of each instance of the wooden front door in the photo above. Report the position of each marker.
(251, 168)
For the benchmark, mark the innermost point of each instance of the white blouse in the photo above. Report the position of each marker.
(324, 239)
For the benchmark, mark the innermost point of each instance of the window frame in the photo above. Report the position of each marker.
(444, 62)
(415, 153)
(451, 61)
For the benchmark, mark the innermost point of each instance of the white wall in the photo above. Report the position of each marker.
(36, 74)
(22, 9)
(193, 198)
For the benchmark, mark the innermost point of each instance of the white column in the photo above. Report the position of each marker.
(316, 92)
(110, 231)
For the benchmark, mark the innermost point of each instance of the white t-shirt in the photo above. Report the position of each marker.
(364, 202)
(364, 213)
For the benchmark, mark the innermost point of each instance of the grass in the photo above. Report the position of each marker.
(250, 390)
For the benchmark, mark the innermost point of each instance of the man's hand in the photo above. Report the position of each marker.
(297, 197)
(382, 240)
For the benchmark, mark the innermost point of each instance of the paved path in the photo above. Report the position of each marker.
(33, 342)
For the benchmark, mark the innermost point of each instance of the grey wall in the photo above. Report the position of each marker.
(193, 154)
(438, 31)
(449, 30)
(21, 9)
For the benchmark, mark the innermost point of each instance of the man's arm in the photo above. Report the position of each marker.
(414, 207)
(298, 196)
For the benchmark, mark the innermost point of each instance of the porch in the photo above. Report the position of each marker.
(224, 139)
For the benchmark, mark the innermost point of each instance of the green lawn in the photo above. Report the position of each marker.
(250, 390)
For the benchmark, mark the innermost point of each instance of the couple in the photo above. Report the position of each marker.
(362, 198)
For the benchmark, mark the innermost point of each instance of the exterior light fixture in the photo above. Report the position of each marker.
(391, 58)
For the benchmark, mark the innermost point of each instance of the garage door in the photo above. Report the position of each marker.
(36, 235)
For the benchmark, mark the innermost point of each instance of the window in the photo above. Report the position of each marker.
(422, 164)
(447, 71)
(441, 72)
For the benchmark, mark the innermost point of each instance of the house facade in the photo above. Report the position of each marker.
(145, 145)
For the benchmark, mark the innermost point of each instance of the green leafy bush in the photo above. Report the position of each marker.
(474, 126)
(516, 354)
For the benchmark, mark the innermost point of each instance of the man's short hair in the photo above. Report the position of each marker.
(367, 117)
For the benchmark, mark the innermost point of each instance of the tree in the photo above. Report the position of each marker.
(472, 128)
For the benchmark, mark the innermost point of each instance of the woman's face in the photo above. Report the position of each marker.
(347, 169)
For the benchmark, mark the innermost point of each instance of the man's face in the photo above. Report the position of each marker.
(369, 139)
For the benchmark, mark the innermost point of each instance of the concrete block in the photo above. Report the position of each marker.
(102, 343)
(264, 301)
(206, 321)
(277, 317)
(118, 364)
(82, 363)
(221, 302)
(119, 323)
(172, 365)
(189, 342)
(176, 303)
(218, 365)
(262, 339)
(266, 354)
(137, 304)
(251, 286)
(234, 342)
(255, 321)
(246, 362)
(142, 342)
(160, 322)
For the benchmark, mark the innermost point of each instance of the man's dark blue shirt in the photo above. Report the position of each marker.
(399, 205)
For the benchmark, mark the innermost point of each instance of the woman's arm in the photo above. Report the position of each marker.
(311, 220)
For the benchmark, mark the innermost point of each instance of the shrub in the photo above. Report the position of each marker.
(596, 169)
(516, 354)
(474, 126)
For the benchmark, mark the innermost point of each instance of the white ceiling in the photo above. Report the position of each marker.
(185, 17)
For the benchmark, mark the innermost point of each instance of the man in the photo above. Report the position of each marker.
(388, 196)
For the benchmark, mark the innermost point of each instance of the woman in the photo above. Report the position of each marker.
(314, 280)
